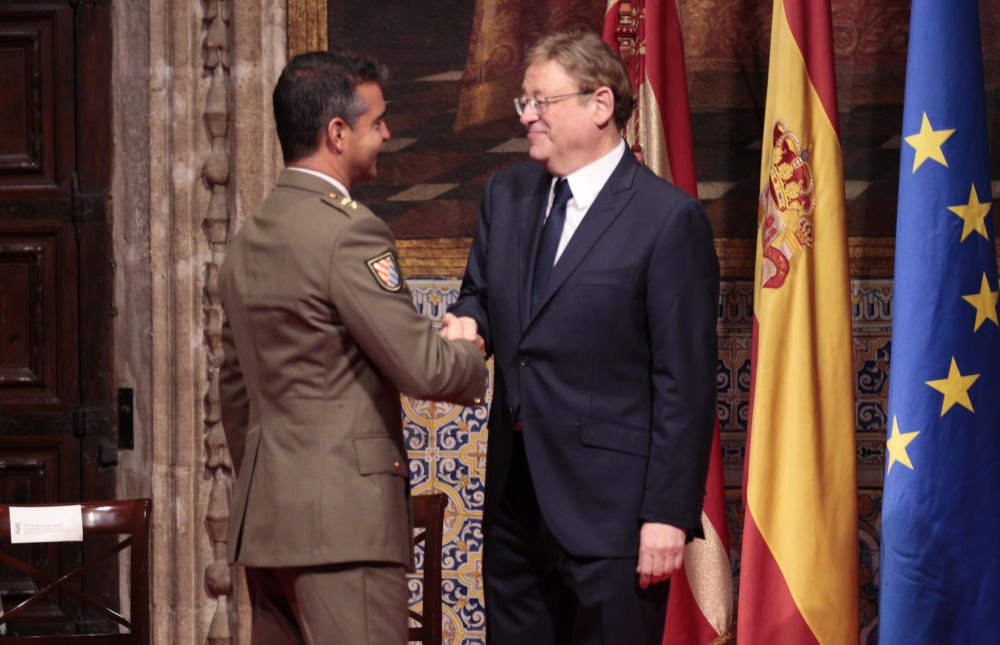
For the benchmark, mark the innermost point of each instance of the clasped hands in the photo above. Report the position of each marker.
(462, 328)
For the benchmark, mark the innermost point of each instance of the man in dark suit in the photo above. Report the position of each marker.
(320, 338)
(595, 285)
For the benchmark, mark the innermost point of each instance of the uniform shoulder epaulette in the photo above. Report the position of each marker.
(343, 204)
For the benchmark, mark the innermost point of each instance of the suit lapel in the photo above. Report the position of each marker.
(610, 203)
(531, 218)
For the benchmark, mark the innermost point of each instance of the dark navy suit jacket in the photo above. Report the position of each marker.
(613, 376)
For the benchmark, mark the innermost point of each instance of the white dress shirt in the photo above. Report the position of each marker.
(336, 184)
(585, 184)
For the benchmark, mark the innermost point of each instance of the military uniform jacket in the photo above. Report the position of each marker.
(320, 337)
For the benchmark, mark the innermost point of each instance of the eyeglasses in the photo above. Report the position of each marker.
(539, 106)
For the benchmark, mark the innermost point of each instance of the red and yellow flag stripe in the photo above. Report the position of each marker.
(798, 580)
(661, 124)
(700, 605)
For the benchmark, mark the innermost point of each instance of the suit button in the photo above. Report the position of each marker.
(523, 362)
(510, 410)
(395, 465)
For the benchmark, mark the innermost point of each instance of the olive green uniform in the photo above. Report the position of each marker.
(320, 337)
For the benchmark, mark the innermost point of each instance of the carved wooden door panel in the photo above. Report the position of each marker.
(56, 408)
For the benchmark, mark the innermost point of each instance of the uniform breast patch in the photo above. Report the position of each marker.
(385, 271)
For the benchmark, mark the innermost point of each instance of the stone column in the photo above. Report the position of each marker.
(195, 151)
(178, 200)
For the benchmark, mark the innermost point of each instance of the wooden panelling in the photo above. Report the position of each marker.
(22, 332)
(20, 138)
(37, 470)
(31, 469)
(94, 43)
(37, 315)
(36, 113)
(307, 25)
(57, 421)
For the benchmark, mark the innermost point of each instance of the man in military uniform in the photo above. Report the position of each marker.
(320, 338)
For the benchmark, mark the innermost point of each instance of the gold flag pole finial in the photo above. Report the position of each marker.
(627, 33)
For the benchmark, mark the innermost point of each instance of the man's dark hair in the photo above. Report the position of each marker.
(313, 89)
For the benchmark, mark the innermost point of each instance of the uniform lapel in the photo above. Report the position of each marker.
(610, 203)
(531, 218)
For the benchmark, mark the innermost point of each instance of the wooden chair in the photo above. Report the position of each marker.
(123, 517)
(428, 514)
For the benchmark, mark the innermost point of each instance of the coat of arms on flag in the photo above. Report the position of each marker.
(786, 204)
(386, 273)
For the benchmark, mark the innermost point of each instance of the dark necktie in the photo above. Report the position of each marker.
(549, 243)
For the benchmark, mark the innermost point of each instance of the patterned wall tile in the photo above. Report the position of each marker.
(733, 382)
(447, 446)
(869, 535)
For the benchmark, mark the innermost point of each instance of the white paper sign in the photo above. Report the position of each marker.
(46, 524)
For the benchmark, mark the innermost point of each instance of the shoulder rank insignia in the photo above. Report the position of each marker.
(345, 202)
(386, 273)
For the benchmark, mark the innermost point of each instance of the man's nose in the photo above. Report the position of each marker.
(528, 116)
(386, 135)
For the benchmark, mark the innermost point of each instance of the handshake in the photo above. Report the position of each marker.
(464, 328)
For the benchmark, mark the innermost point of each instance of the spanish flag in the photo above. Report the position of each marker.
(799, 570)
(647, 34)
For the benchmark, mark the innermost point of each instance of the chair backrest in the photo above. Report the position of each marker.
(129, 518)
(428, 515)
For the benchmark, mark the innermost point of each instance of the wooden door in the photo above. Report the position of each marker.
(57, 413)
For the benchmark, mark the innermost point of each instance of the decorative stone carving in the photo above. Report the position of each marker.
(216, 227)
(195, 151)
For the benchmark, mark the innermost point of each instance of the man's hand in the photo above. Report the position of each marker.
(464, 328)
(661, 552)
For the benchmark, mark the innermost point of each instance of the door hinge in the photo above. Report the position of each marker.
(126, 433)
(88, 421)
(107, 453)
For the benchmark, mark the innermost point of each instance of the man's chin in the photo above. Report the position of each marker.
(368, 175)
(538, 153)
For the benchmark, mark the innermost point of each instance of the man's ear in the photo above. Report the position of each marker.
(336, 129)
(604, 106)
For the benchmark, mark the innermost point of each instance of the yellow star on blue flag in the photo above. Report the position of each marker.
(927, 143)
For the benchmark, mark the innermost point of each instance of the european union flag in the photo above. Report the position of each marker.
(940, 576)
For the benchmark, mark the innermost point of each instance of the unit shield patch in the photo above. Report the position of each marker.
(385, 271)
